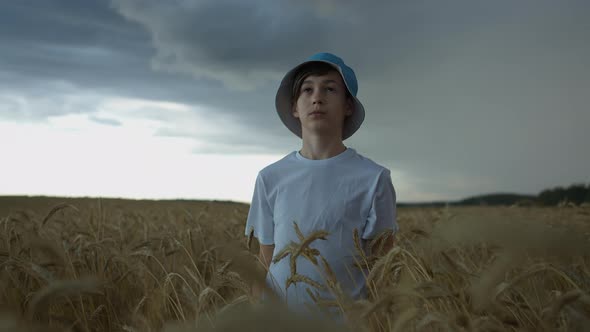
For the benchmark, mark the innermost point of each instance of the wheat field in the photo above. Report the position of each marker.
(117, 265)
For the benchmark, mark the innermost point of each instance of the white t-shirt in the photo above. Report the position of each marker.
(337, 195)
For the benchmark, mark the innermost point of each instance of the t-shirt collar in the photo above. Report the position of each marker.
(349, 152)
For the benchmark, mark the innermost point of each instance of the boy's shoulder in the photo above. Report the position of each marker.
(370, 163)
(280, 164)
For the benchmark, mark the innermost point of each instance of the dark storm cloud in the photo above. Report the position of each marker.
(461, 96)
(242, 43)
(88, 46)
(74, 49)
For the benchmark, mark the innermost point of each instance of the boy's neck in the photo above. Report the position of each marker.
(317, 147)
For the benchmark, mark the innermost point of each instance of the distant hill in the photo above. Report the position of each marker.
(498, 199)
(575, 194)
(486, 199)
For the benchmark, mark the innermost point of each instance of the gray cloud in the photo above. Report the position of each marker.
(493, 93)
(29, 100)
(244, 44)
(105, 121)
(225, 133)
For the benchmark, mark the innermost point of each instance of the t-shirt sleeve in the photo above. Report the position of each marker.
(382, 215)
(260, 216)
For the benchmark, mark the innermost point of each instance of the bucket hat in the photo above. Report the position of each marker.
(284, 95)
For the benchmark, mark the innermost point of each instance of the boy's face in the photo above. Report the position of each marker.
(322, 104)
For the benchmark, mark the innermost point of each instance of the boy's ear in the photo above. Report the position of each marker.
(294, 111)
(349, 107)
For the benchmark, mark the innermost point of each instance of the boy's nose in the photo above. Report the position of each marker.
(317, 97)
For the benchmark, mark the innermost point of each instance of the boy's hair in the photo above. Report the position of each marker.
(311, 69)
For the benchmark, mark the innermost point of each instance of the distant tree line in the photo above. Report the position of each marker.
(576, 194)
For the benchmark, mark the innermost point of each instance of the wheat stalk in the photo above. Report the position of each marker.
(301, 278)
(317, 235)
(298, 231)
(57, 208)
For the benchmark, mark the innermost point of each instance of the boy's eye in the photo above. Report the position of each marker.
(309, 89)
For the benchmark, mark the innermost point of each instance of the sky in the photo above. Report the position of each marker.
(175, 99)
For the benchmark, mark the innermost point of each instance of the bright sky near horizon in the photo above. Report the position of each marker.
(72, 155)
(176, 100)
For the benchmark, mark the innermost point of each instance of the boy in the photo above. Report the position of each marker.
(325, 186)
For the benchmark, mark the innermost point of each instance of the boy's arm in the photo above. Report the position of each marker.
(382, 215)
(385, 243)
(265, 255)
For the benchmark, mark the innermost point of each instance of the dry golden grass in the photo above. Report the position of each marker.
(114, 265)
